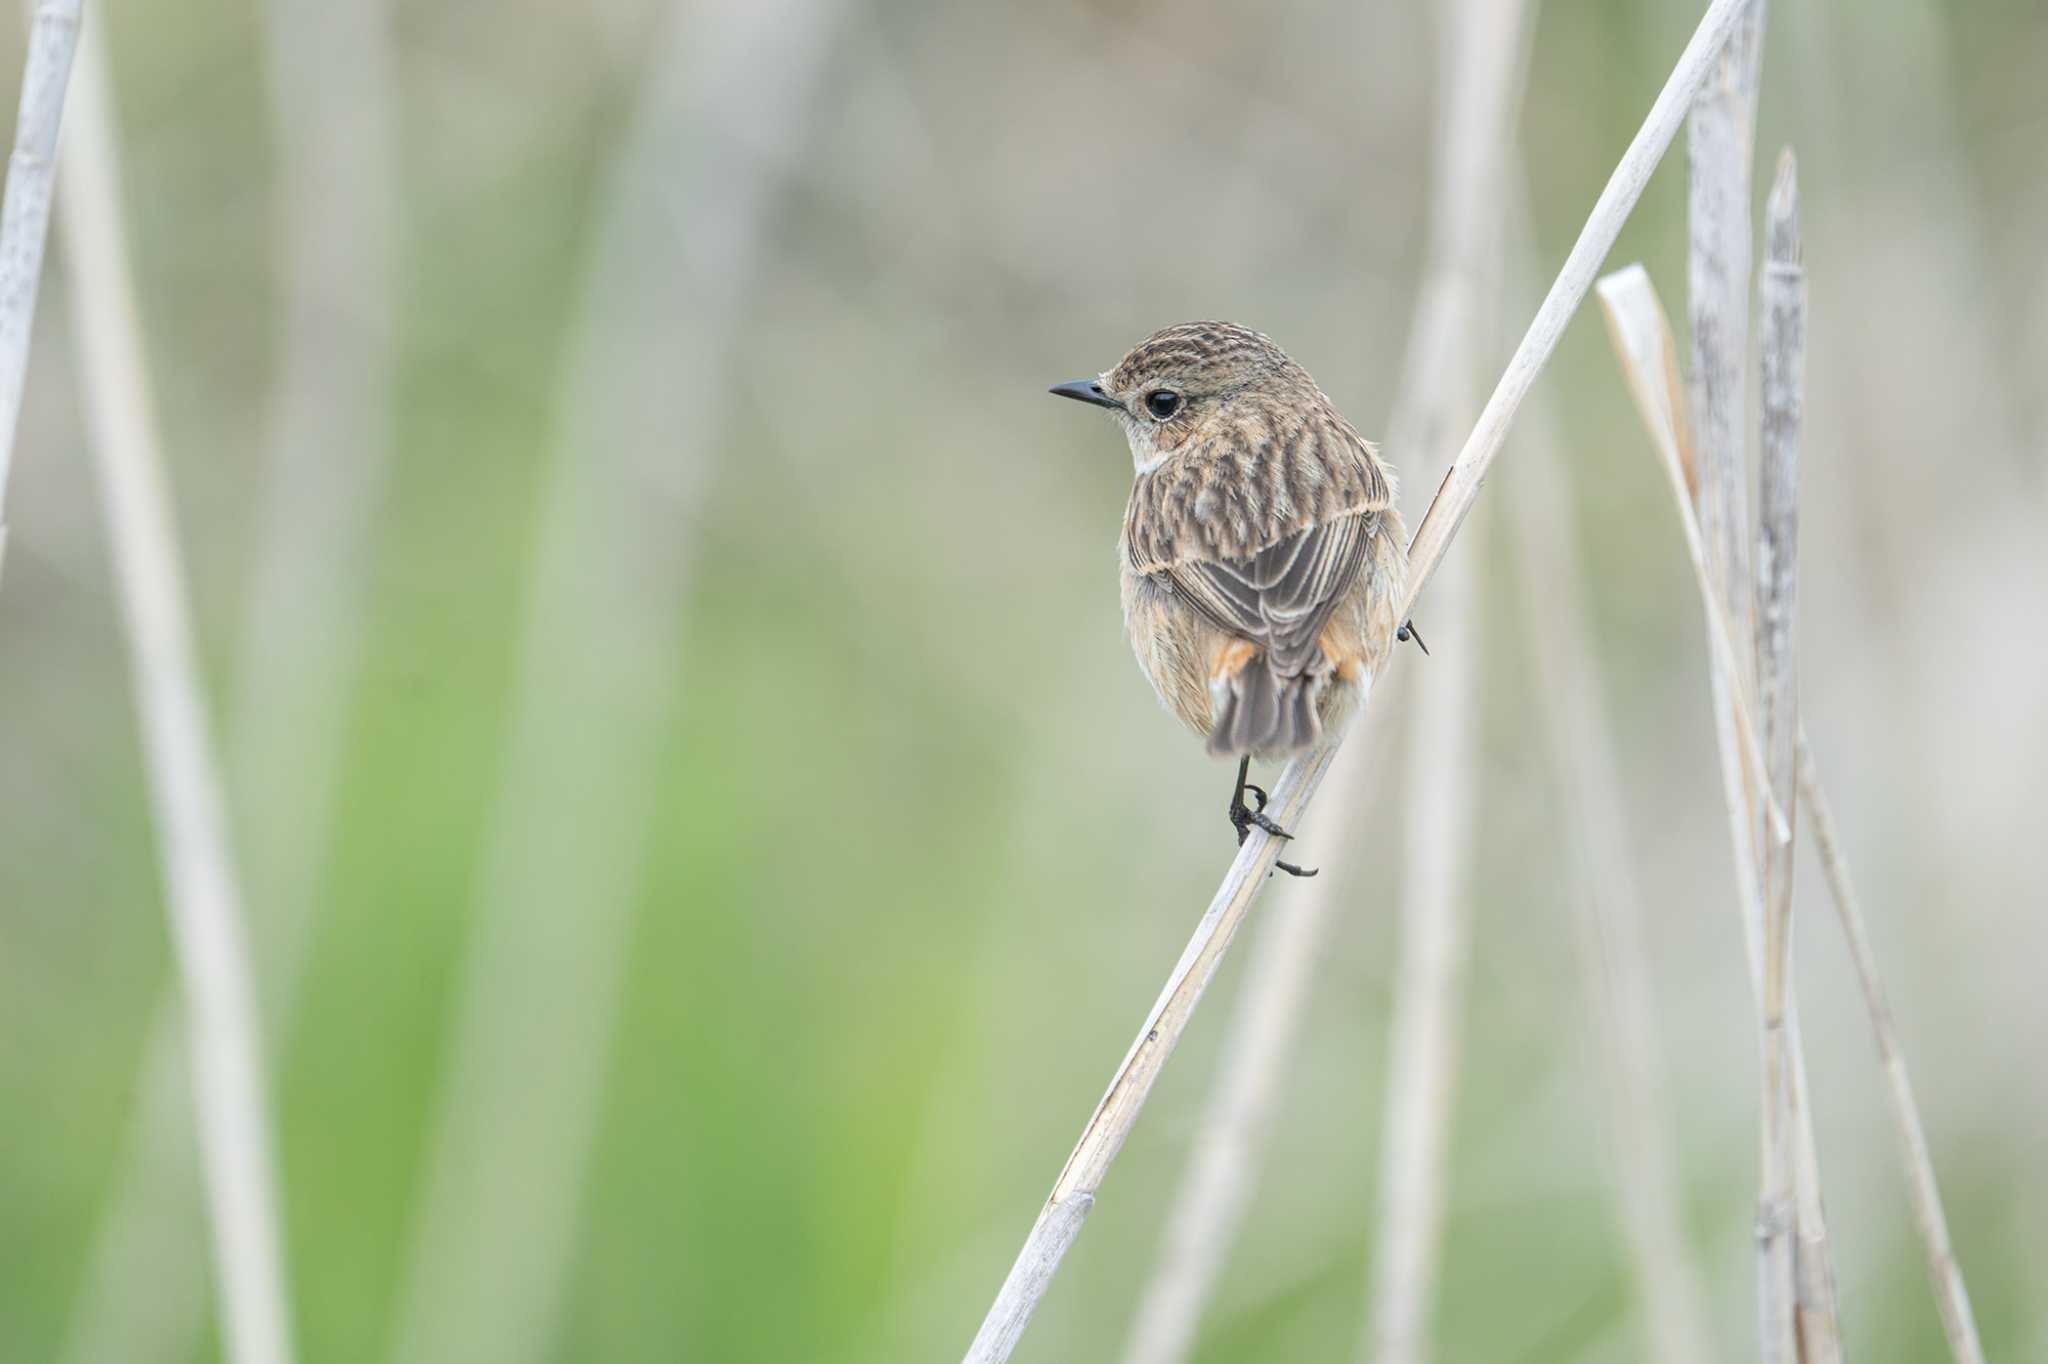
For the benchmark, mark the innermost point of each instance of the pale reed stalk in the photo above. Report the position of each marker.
(1642, 341)
(1783, 396)
(1721, 143)
(1222, 1172)
(25, 211)
(222, 1040)
(330, 83)
(1074, 1192)
(489, 1254)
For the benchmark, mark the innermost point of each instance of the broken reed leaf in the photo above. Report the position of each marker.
(1641, 332)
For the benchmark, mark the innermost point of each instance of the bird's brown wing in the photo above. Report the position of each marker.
(1281, 597)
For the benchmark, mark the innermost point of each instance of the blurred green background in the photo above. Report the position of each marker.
(665, 653)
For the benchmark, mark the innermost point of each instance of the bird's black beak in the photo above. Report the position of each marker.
(1086, 391)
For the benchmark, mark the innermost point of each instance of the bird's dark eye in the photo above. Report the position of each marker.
(1162, 403)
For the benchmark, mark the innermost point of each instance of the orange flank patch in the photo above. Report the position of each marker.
(1348, 665)
(1231, 658)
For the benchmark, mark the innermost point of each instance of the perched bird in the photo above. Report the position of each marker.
(1262, 558)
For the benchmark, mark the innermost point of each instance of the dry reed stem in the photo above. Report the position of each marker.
(1783, 296)
(25, 211)
(198, 869)
(1783, 383)
(1720, 141)
(1776, 587)
(1222, 1171)
(1572, 709)
(330, 88)
(1059, 1222)
(489, 1253)
(1958, 1322)
(1635, 314)
(1642, 338)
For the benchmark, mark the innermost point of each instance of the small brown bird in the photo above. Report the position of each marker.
(1262, 558)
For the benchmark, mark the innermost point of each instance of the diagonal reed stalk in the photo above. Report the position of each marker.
(25, 212)
(1074, 1192)
(330, 84)
(1217, 1186)
(223, 1041)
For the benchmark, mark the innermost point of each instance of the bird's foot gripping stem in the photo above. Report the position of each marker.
(1244, 818)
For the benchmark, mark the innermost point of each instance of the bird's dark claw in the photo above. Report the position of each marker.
(1244, 818)
(1408, 632)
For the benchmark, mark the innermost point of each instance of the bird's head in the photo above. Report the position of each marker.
(1184, 383)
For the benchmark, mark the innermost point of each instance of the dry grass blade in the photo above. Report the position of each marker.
(1059, 1222)
(198, 870)
(25, 212)
(1958, 1322)
(1642, 339)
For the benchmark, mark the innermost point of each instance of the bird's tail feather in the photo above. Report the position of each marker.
(1259, 712)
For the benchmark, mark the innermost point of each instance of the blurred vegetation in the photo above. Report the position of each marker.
(913, 784)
